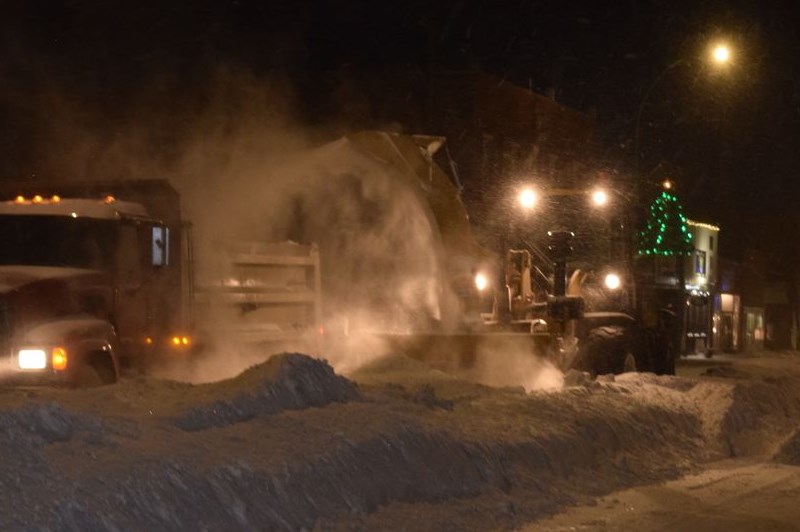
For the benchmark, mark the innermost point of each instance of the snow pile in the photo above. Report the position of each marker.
(284, 382)
(789, 450)
(290, 445)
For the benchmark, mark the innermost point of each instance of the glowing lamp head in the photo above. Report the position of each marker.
(612, 281)
(37, 199)
(481, 282)
(599, 197)
(721, 54)
(667, 184)
(527, 198)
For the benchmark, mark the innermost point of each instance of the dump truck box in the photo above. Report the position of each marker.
(261, 293)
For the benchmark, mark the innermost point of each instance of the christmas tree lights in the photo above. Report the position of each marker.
(666, 232)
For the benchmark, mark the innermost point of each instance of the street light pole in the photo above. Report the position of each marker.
(720, 55)
(646, 95)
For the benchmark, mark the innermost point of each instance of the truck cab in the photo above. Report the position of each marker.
(85, 288)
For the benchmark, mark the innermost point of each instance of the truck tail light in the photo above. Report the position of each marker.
(180, 341)
(59, 358)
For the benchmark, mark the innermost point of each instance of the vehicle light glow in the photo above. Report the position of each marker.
(180, 341)
(481, 282)
(32, 359)
(19, 199)
(59, 358)
(599, 197)
(37, 199)
(612, 281)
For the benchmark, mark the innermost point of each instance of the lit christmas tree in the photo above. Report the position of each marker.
(666, 232)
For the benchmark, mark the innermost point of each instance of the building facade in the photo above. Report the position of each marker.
(701, 275)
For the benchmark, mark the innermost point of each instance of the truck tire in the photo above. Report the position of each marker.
(604, 351)
(96, 370)
(87, 376)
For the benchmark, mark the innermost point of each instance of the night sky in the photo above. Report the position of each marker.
(108, 67)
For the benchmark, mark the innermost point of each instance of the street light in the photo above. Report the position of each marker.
(721, 55)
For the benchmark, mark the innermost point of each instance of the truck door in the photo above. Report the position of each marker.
(131, 292)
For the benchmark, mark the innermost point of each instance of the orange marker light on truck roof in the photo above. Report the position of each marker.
(19, 199)
(37, 199)
(55, 199)
(109, 199)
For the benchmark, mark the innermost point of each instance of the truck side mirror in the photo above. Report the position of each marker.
(160, 246)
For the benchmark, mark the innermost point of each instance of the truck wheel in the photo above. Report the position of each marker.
(603, 351)
(96, 370)
(87, 376)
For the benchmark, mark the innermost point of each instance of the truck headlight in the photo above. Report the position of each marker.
(481, 282)
(32, 359)
(612, 281)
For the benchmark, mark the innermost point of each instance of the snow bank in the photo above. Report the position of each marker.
(295, 446)
(284, 382)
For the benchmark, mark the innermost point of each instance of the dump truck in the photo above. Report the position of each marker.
(98, 279)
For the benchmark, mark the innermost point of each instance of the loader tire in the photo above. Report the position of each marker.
(664, 356)
(604, 351)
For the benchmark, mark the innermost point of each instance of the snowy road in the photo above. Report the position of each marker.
(729, 496)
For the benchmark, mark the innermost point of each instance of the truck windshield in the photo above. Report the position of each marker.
(57, 241)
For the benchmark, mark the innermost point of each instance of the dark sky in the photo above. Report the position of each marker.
(113, 64)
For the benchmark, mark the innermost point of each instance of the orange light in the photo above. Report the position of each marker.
(19, 199)
(148, 341)
(185, 340)
(110, 199)
(55, 199)
(321, 330)
(59, 358)
(37, 199)
(667, 184)
(176, 340)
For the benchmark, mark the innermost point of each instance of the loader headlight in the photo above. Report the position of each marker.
(612, 281)
(481, 282)
(32, 359)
